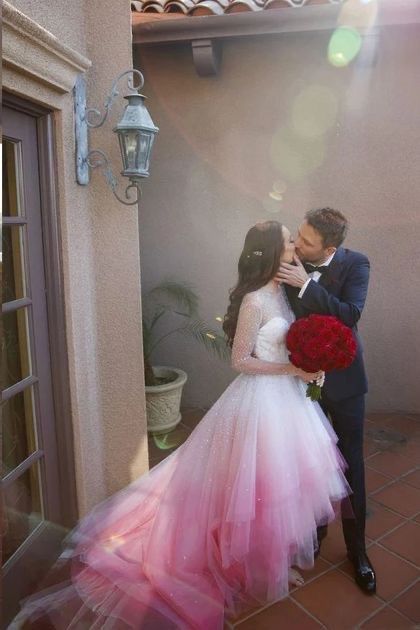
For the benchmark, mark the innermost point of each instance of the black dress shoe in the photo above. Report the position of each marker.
(364, 572)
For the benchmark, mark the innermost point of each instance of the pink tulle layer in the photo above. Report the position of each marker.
(215, 526)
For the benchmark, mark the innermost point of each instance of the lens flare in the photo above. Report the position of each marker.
(294, 155)
(344, 46)
(271, 205)
(167, 441)
(314, 111)
(279, 187)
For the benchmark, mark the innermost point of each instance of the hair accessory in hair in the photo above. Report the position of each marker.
(258, 252)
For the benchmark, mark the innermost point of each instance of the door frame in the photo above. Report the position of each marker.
(55, 298)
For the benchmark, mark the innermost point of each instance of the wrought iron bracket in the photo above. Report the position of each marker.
(86, 118)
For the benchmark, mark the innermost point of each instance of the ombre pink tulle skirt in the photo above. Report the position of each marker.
(215, 526)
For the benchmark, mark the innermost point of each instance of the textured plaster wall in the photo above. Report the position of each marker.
(100, 251)
(65, 20)
(344, 137)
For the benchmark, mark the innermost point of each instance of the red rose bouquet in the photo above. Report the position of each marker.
(320, 342)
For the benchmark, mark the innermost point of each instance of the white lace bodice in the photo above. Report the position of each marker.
(264, 318)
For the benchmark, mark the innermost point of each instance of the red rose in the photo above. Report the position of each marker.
(320, 342)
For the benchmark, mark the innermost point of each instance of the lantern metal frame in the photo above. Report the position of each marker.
(86, 118)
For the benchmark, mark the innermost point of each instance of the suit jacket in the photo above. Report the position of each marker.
(341, 291)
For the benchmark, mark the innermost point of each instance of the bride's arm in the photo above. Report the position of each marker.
(249, 322)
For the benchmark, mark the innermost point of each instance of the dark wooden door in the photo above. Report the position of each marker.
(32, 481)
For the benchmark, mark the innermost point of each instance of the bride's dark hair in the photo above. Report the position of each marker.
(258, 264)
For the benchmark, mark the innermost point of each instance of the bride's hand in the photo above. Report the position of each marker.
(308, 377)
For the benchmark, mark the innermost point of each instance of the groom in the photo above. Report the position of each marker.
(330, 280)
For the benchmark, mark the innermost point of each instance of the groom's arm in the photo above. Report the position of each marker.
(348, 307)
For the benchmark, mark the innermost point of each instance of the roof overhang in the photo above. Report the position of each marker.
(206, 33)
(156, 28)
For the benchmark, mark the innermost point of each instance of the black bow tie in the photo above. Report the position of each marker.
(312, 268)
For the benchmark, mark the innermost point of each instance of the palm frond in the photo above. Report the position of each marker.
(160, 310)
(176, 295)
(207, 337)
(179, 299)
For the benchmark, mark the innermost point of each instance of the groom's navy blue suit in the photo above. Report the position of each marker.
(341, 291)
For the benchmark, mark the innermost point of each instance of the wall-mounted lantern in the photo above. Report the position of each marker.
(136, 132)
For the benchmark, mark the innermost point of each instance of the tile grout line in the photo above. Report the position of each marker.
(388, 450)
(393, 553)
(389, 483)
(312, 579)
(302, 607)
(382, 505)
(389, 603)
(371, 615)
(399, 479)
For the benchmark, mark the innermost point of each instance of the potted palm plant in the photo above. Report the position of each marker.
(169, 308)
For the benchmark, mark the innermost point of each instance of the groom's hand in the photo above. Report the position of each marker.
(294, 275)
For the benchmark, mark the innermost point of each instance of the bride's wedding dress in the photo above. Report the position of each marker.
(218, 523)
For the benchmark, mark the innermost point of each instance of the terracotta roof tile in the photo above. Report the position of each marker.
(217, 7)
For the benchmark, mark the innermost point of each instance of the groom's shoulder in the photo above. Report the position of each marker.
(352, 257)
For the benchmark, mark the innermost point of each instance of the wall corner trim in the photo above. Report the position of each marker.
(30, 49)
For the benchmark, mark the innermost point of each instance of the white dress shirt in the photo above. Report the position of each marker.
(315, 275)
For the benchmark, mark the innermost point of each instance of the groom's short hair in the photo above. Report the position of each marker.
(330, 223)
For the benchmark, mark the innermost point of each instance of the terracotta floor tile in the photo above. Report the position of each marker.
(393, 574)
(379, 520)
(378, 418)
(243, 615)
(391, 464)
(387, 619)
(370, 447)
(409, 603)
(333, 548)
(412, 478)
(409, 449)
(375, 480)
(320, 567)
(404, 424)
(347, 568)
(284, 614)
(399, 497)
(336, 601)
(405, 541)
(385, 437)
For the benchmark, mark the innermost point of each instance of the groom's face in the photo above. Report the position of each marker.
(309, 245)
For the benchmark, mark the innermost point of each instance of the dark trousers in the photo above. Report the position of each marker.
(347, 418)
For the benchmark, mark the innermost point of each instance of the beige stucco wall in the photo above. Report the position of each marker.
(100, 251)
(223, 142)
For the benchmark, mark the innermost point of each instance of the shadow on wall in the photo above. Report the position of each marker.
(279, 131)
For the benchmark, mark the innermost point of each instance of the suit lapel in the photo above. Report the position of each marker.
(294, 301)
(330, 277)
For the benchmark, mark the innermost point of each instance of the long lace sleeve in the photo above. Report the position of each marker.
(249, 322)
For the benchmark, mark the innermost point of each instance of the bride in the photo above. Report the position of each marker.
(218, 525)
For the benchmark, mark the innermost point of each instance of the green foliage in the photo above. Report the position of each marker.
(177, 301)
